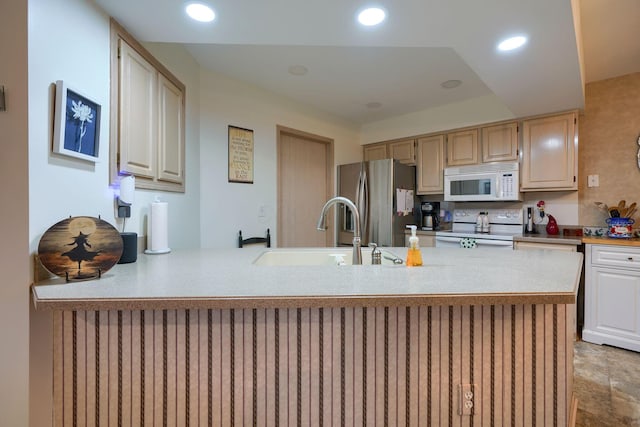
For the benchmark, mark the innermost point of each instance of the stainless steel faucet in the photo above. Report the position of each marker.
(322, 224)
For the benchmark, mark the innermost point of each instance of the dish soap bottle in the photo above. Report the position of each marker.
(414, 256)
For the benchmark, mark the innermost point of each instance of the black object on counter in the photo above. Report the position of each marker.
(129, 248)
(530, 227)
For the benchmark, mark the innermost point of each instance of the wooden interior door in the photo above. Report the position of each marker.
(305, 183)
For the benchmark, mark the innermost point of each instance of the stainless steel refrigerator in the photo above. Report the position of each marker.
(373, 186)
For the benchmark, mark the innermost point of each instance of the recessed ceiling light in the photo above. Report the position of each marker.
(298, 70)
(450, 84)
(512, 43)
(200, 12)
(373, 105)
(371, 16)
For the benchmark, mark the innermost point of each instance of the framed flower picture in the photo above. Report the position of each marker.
(76, 131)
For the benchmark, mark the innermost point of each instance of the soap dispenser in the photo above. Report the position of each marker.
(414, 256)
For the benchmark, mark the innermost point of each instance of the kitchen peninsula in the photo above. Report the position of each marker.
(207, 337)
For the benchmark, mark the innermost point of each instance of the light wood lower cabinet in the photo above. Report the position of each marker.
(612, 296)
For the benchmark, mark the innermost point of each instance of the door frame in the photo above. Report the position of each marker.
(330, 167)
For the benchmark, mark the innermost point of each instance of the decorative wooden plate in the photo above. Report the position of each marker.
(80, 248)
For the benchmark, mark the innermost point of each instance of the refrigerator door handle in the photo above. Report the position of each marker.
(364, 230)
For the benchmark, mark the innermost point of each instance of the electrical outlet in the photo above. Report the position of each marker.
(262, 211)
(466, 399)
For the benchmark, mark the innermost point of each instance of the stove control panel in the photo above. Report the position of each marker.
(496, 216)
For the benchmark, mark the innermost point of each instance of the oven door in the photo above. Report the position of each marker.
(454, 242)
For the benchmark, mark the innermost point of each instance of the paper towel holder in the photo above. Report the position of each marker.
(152, 237)
(125, 199)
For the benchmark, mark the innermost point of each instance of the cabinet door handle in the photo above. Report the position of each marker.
(630, 258)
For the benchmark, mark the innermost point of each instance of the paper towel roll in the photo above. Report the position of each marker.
(157, 229)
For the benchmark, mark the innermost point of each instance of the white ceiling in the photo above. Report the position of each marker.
(402, 63)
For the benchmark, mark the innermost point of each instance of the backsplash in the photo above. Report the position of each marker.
(609, 128)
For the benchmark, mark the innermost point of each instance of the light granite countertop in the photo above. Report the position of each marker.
(208, 278)
(558, 239)
(603, 240)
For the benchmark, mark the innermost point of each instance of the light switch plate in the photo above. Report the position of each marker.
(593, 181)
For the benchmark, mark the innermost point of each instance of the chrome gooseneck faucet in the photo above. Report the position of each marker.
(322, 224)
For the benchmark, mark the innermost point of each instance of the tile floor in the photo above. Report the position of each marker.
(607, 384)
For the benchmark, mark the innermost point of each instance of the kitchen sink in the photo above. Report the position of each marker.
(314, 256)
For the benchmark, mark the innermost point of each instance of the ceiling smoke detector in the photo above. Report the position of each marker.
(298, 70)
(450, 84)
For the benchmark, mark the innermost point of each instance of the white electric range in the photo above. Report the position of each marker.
(504, 225)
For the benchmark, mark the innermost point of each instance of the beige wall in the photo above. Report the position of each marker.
(609, 131)
(470, 112)
(14, 227)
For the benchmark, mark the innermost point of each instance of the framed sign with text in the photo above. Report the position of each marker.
(240, 155)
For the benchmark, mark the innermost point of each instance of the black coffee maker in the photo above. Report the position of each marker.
(430, 215)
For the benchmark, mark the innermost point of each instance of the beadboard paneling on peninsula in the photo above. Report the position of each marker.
(314, 366)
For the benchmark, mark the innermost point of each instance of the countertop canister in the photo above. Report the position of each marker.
(620, 227)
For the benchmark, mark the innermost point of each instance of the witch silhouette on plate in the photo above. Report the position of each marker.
(80, 253)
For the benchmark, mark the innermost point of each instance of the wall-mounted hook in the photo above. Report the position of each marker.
(3, 106)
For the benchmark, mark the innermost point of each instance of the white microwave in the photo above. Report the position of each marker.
(486, 182)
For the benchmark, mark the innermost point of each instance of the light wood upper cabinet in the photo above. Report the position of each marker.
(375, 152)
(500, 143)
(430, 165)
(462, 148)
(170, 131)
(549, 158)
(147, 122)
(404, 151)
(138, 132)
